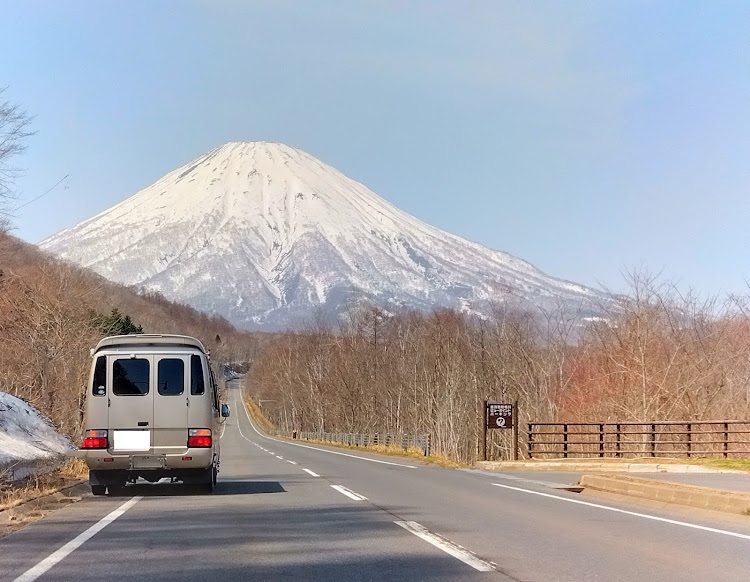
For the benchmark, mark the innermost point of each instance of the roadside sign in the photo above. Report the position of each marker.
(499, 415)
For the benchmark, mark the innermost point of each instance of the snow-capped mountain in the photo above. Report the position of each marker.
(268, 235)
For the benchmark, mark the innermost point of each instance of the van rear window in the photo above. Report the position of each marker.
(197, 383)
(130, 377)
(99, 385)
(171, 377)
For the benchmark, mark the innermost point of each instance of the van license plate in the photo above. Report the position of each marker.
(132, 440)
(147, 462)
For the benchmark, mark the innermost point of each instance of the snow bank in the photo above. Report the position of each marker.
(29, 443)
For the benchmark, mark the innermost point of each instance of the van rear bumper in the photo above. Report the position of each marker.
(119, 478)
(103, 460)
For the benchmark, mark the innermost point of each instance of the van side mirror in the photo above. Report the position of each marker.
(225, 410)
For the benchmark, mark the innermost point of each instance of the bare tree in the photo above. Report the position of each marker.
(14, 129)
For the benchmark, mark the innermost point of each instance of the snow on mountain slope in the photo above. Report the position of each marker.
(266, 235)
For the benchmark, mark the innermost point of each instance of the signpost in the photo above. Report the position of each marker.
(497, 415)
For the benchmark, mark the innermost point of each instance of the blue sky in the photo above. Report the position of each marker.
(585, 137)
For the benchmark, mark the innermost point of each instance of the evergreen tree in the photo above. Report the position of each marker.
(116, 324)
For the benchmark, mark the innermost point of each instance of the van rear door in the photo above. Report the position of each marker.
(171, 403)
(131, 407)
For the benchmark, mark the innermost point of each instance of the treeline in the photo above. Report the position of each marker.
(653, 355)
(52, 313)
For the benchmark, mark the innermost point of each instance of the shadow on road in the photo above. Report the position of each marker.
(247, 487)
(181, 490)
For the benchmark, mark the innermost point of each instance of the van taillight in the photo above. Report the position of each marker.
(199, 437)
(95, 439)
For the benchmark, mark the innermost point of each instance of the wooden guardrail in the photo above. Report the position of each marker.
(705, 438)
(405, 441)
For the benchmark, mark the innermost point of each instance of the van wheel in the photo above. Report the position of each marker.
(210, 484)
(98, 489)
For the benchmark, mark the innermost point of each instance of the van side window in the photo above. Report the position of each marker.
(130, 377)
(171, 377)
(214, 390)
(99, 385)
(197, 381)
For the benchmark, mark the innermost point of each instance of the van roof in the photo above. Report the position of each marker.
(147, 339)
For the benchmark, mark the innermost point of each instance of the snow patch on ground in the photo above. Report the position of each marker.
(29, 443)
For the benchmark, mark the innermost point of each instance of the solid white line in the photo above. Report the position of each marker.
(316, 448)
(636, 514)
(34, 572)
(548, 484)
(447, 546)
(313, 473)
(349, 493)
(238, 422)
(292, 462)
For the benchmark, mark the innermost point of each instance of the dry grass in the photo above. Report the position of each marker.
(35, 487)
(257, 415)
(75, 469)
(717, 463)
(644, 460)
(736, 464)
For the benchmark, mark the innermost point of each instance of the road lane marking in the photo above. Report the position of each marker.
(635, 513)
(34, 572)
(447, 546)
(349, 493)
(313, 473)
(279, 457)
(548, 484)
(292, 462)
(314, 448)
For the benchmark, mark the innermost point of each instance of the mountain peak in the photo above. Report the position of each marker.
(265, 234)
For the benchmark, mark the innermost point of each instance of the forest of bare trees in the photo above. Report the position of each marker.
(51, 314)
(656, 355)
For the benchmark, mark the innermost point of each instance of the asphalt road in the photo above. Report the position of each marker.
(291, 511)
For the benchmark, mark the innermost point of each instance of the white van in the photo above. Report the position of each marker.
(152, 411)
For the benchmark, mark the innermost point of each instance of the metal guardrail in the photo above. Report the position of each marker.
(710, 438)
(422, 442)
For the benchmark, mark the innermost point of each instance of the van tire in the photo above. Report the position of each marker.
(210, 484)
(115, 490)
(98, 489)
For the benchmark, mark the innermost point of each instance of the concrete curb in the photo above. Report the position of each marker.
(579, 466)
(691, 495)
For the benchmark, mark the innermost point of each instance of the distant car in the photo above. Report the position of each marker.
(152, 411)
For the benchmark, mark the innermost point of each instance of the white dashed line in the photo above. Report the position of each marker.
(349, 493)
(292, 462)
(313, 473)
(447, 546)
